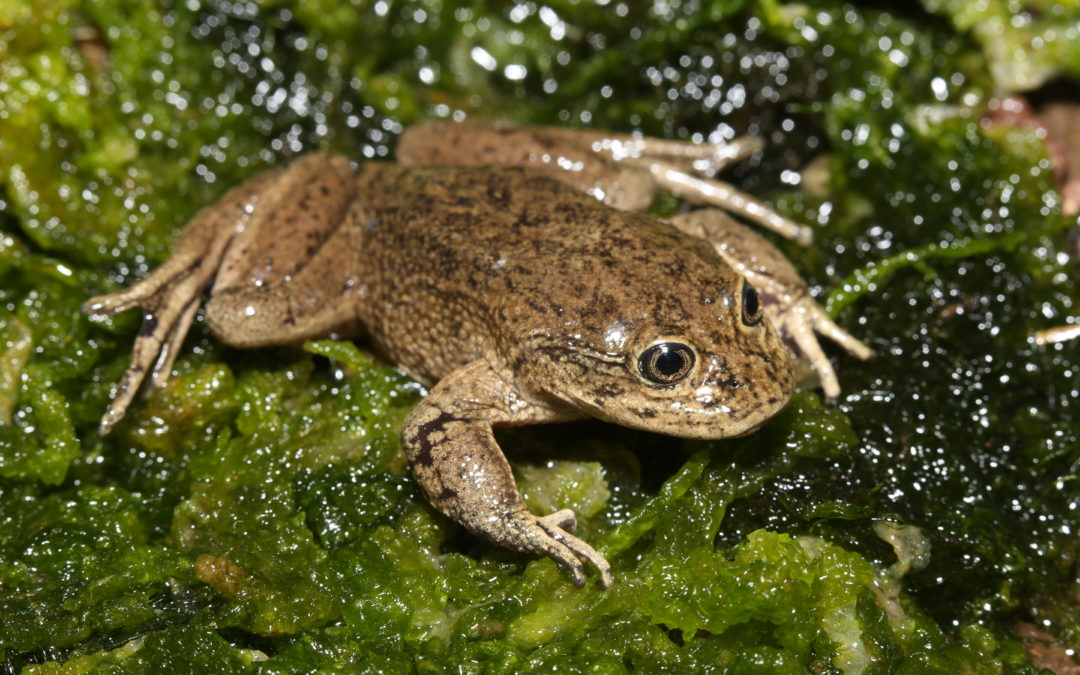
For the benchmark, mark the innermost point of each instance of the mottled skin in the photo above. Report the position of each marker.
(516, 296)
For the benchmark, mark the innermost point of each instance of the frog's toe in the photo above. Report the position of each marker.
(852, 345)
(735, 150)
(553, 540)
(1050, 336)
(173, 273)
(564, 519)
(802, 334)
(168, 313)
(800, 325)
(113, 303)
(713, 192)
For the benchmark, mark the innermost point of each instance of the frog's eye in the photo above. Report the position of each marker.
(666, 362)
(751, 305)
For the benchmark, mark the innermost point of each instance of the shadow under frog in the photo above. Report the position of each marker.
(514, 292)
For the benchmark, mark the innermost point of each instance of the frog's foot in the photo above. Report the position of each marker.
(800, 322)
(171, 295)
(714, 192)
(688, 170)
(704, 158)
(622, 170)
(216, 247)
(550, 535)
(169, 298)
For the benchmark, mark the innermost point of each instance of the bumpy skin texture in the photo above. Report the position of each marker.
(521, 299)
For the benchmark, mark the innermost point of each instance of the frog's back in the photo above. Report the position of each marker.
(451, 255)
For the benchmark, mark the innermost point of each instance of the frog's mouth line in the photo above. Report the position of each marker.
(595, 354)
(716, 421)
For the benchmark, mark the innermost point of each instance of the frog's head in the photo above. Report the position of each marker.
(704, 364)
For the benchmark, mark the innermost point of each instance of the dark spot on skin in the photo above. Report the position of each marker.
(424, 431)
(730, 382)
(446, 495)
(519, 363)
(423, 456)
(149, 325)
(609, 390)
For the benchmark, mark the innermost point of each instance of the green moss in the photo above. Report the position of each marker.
(204, 652)
(256, 513)
(1026, 43)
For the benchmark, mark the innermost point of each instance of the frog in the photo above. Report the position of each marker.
(512, 273)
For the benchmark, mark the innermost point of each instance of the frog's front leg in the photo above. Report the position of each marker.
(788, 304)
(449, 441)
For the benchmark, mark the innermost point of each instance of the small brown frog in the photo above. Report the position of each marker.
(512, 291)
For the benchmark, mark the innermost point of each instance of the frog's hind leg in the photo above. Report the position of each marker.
(171, 295)
(786, 298)
(703, 158)
(712, 192)
(323, 297)
(686, 169)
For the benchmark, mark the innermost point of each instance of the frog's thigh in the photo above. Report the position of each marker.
(290, 220)
(319, 299)
(448, 439)
(479, 142)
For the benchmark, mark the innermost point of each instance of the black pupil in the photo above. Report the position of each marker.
(666, 362)
(751, 304)
(669, 362)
